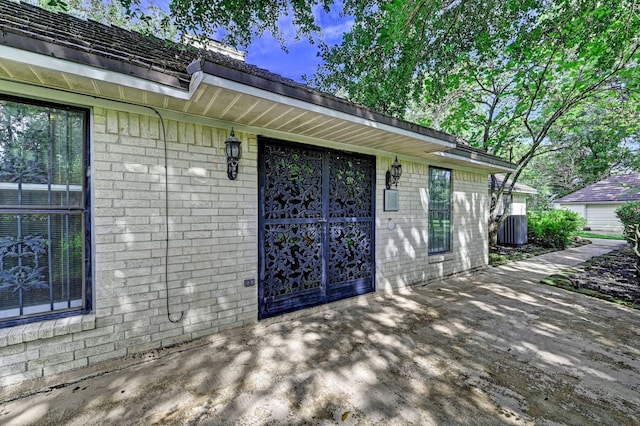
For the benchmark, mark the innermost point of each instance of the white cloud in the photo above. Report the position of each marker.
(302, 58)
(333, 34)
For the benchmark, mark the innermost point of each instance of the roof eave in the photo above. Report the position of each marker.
(486, 162)
(68, 53)
(73, 61)
(307, 95)
(560, 201)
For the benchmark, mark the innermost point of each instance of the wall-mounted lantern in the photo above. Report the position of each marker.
(393, 176)
(234, 152)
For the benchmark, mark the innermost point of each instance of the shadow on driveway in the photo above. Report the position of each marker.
(493, 347)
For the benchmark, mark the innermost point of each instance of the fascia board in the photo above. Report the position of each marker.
(482, 164)
(216, 81)
(47, 62)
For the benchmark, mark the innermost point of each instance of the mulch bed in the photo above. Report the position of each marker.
(611, 276)
(499, 255)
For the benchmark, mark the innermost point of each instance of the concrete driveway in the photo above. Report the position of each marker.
(493, 347)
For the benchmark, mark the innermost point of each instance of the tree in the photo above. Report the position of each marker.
(234, 22)
(503, 75)
(238, 22)
(593, 142)
(153, 21)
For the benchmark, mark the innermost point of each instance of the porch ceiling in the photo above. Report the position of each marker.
(260, 111)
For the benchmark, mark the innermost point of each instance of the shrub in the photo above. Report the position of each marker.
(554, 228)
(629, 215)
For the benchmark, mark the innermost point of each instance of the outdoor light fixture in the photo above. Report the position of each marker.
(393, 175)
(234, 152)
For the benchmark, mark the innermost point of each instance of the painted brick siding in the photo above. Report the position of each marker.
(212, 231)
(212, 249)
(212, 244)
(402, 254)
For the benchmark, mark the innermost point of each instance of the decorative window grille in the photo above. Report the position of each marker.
(43, 211)
(439, 210)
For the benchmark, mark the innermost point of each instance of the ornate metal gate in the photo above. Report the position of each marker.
(316, 219)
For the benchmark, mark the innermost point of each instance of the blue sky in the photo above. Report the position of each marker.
(302, 57)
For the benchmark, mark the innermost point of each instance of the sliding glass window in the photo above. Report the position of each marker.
(43, 211)
(439, 210)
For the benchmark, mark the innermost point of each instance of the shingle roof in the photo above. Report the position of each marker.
(63, 36)
(78, 40)
(612, 189)
(22, 23)
(66, 37)
(518, 188)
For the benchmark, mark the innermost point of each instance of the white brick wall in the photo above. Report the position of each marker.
(213, 244)
(212, 249)
(402, 253)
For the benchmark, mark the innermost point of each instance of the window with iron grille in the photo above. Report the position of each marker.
(44, 238)
(439, 210)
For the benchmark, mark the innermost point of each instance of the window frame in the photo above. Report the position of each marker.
(431, 210)
(84, 211)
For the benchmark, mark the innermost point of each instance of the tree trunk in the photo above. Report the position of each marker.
(494, 227)
(497, 193)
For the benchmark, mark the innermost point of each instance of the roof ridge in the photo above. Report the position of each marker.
(614, 188)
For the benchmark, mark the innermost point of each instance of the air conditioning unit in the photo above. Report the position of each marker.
(513, 231)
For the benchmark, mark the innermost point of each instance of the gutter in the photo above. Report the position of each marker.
(463, 153)
(297, 95)
(131, 79)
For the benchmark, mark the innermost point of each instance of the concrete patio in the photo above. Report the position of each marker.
(492, 347)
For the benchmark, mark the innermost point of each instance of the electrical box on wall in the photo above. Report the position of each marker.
(391, 200)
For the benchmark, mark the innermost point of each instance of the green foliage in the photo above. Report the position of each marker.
(152, 21)
(239, 22)
(629, 215)
(591, 143)
(554, 228)
(29, 135)
(508, 76)
(600, 236)
(461, 53)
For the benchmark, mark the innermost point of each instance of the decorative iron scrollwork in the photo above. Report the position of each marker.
(293, 182)
(292, 258)
(350, 251)
(351, 183)
(316, 226)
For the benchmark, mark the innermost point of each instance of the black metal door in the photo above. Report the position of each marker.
(316, 219)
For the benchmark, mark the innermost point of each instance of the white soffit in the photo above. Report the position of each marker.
(256, 107)
(232, 102)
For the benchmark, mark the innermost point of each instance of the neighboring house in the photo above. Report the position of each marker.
(597, 203)
(126, 226)
(518, 198)
(513, 230)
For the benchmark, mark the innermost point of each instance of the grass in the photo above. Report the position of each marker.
(603, 236)
(497, 259)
